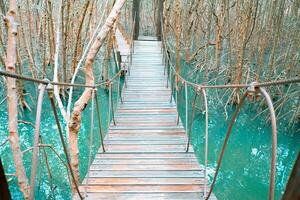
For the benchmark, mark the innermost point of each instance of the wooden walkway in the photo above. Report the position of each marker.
(145, 152)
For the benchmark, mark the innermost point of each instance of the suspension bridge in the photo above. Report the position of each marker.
(146, 153)
(145, 148)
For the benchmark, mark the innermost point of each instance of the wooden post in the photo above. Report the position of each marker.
(158, 19)
(136, 16)
(292, 188)
(119, 58)
(4, 191)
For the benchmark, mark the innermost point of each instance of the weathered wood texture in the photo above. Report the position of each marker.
(145, 154)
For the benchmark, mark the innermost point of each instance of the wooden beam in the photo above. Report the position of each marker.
(136, 16)
(4, 191)
(158, 19)
(292, 188)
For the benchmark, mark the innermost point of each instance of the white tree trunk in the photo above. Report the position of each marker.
(56, 65)
(80, 104)
(12, 102)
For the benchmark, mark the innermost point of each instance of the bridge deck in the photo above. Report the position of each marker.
(145, 152)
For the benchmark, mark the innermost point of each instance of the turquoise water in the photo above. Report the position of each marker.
(58, 187)
(245, 169)
(244, 173)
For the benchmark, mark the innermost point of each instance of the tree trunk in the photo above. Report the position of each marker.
(80, 104)
(78, 38)
(136, 16)
(177, 24)
(107, 58)
(158, 19)
(12, 101)
(219, 32)
(208, 32)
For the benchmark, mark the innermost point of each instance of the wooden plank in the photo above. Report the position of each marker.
(150, 142)
(147, 133)
(148, 161)
(152, 110)
(145, 181)
(148, 196)
(145, 148)
(139, 188)
(292, 187)
(145, 154)
(146, 107)
(151, 136)
(149, 174)
(161, 129)
(154, 167)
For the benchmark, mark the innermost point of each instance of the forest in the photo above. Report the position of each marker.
(71, 51)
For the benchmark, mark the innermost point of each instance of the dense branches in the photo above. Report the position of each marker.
(237, 42)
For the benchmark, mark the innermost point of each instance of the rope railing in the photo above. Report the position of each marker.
(255, 84)
(172, 75)
(51, 98)
(90, 142)
(36, 141)
(45, 84)
(46, 81)
(254, 87)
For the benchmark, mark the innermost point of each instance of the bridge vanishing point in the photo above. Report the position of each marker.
(145, 150)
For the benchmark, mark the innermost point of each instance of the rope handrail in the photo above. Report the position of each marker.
(195, 85)
(255, 84)
(46, 82)
(253, 87)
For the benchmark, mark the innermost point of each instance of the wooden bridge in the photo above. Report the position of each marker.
(145, 152)
(146, 147)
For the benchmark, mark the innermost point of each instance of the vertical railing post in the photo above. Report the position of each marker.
(274, 142)
(99, 120)
(186, 105)
(178, 102)
(112, 103)
(109, 106)
(232, 121)
(91, 142)
(125, 79)
(206, 140)
(171, 85)
(50, 94)
(42, 88)
(191, 121)
(118, 90)
(168, 72)
(4, 189)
